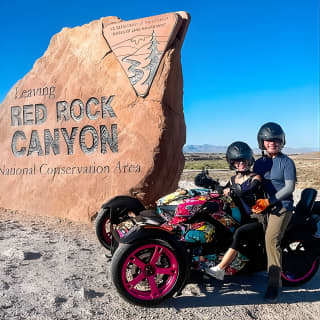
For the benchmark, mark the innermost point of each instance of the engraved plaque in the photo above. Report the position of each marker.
(140, 44)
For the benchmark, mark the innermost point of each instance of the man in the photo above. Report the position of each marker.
(278, 174)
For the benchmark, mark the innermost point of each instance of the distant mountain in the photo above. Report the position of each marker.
(208, 148)
(204, 148)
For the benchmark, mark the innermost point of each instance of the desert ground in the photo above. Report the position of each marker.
(56, 269)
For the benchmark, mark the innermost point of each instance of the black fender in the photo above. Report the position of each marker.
(120, 204)
(114, 210)
(123, 200)
(141, 232)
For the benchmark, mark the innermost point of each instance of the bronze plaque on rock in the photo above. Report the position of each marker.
(139, 45)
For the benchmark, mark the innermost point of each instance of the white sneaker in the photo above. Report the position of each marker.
(215, 272)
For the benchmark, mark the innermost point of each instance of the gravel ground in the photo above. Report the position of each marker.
(55, 269)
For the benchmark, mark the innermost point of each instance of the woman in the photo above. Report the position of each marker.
(245, 188)
(278, 174)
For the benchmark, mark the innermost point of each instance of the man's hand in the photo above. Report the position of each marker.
(260, 205)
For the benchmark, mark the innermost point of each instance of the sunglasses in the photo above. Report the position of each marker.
(273, 141)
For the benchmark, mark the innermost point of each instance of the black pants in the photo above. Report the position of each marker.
(250, 233)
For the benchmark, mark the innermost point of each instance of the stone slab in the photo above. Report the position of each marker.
(74, 133)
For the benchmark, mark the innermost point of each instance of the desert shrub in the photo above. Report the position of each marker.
(209, 164)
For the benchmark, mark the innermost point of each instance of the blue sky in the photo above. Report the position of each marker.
(244, 62)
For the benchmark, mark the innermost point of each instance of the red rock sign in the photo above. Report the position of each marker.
(73, 131)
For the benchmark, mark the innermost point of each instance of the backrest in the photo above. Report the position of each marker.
(304, 206)
(316, 208)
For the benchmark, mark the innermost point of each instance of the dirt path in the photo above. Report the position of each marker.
(54, 269)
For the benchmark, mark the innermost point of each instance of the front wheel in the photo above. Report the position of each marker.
(148, 272)
(298, 264)
(122, 206)
(103, 230)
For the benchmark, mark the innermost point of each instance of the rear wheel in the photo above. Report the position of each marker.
(298, 265)
(148, 272)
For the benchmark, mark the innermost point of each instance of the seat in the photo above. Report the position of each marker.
(168, 210)
(150, 217)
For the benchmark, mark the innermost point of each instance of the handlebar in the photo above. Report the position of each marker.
(204, 180)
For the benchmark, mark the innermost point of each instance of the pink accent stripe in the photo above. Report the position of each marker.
(300, 279)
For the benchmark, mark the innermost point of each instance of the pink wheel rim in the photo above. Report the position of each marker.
(150, 272)
(107, 236)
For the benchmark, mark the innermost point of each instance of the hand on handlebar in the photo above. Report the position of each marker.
(260, 205)
(204, 180)
(226, 192)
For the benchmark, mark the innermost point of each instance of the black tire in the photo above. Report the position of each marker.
(103, 231)
(123, 205)
(124, 269)
(298, 264)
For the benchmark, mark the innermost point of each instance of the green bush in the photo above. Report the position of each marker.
(209, 164)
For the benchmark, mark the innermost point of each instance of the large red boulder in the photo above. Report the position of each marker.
(76, 131)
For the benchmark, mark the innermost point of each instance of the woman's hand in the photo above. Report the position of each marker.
(226, 192)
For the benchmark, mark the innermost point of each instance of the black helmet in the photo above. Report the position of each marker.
(271, 131)
(239, 151)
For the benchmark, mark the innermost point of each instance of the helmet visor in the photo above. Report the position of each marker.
(275, 140)
(240, 160)
(241, 164)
